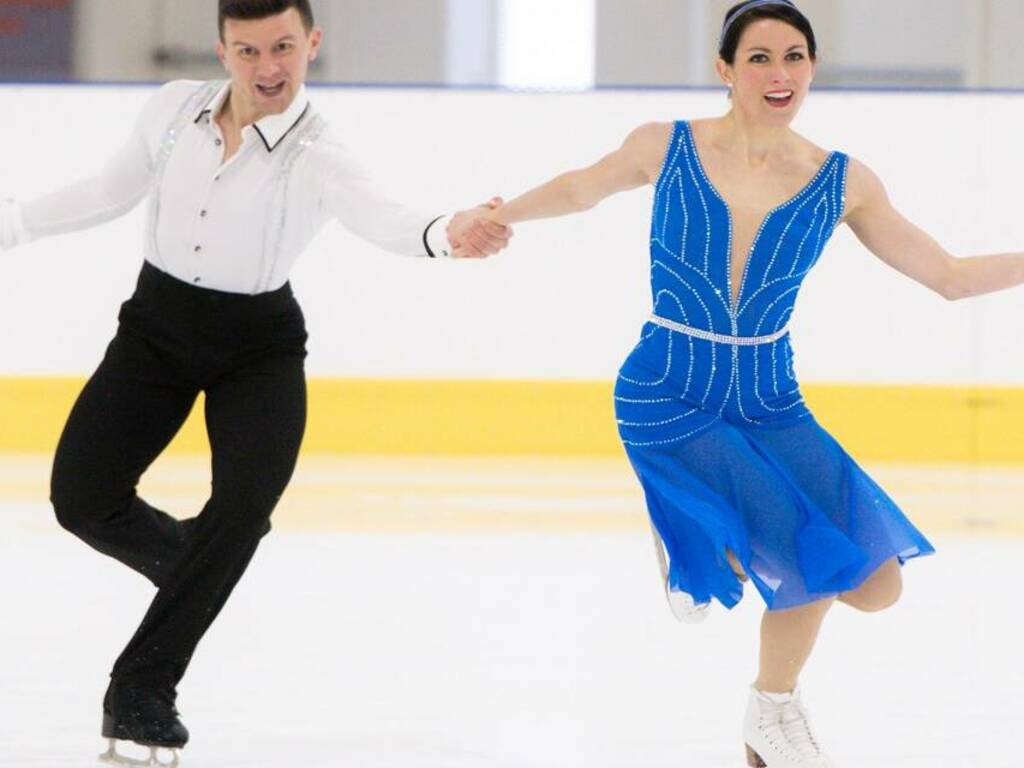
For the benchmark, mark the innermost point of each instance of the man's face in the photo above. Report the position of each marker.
(267, 59)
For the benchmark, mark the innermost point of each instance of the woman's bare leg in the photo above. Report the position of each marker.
(879, 592)
(787, 639)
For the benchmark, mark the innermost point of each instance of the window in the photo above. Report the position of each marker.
(547, 44)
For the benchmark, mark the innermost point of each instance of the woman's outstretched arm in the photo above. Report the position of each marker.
(909, 249)
(636, 163)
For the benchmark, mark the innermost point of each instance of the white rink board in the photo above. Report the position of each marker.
(568, 301)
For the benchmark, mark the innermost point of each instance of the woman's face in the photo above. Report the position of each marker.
(772, 71)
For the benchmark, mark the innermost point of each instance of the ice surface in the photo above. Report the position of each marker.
(519, 642)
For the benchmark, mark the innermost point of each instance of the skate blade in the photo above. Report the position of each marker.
(684, 607)
(754, 760)
(155, 759)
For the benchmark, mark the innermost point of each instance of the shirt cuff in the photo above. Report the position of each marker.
(12, 227)
(435, 238)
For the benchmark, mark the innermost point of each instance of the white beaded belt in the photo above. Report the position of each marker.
(697, 333)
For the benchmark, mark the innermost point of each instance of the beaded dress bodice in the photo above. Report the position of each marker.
(675, 384)
(692, 244)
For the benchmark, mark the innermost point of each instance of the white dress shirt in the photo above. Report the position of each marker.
(236, 226)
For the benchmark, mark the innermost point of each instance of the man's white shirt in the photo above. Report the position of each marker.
(212, 218)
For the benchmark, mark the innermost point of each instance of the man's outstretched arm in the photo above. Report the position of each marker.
(352, 197)
(117, 188)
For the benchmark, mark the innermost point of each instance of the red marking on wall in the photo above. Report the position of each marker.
(11, 26)
(44, 4)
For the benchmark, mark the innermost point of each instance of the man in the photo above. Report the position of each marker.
(240, 177)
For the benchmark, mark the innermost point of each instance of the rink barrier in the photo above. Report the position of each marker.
(917, 424)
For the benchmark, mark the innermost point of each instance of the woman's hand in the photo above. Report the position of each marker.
(479, 232)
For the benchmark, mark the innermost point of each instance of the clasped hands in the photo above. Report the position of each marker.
(473, 234)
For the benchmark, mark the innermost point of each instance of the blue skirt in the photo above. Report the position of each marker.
(772, 487)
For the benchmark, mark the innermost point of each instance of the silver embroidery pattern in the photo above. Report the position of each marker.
(186, 114)
(306, 135)
(740, 378)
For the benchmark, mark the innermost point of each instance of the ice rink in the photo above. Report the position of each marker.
(422, 613)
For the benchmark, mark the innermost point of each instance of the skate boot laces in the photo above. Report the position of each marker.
(796, 728)
(784, 732)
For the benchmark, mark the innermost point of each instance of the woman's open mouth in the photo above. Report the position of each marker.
(779, 99)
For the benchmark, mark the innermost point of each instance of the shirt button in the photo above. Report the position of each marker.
(203, 213)
(216, 178)
(198, 248)
(197, 280)
(218, 142)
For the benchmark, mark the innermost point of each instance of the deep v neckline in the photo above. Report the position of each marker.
(734, 298)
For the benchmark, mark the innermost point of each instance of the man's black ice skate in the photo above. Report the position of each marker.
(144, 716)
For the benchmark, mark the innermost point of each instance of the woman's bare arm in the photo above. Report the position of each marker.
(907, 248)
(632, 165)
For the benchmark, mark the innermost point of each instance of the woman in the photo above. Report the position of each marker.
(740, 480)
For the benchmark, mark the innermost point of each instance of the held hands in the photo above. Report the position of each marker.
(474, 234)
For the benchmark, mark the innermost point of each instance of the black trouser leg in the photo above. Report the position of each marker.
(174, 340)
(256, 418)
(128, 412)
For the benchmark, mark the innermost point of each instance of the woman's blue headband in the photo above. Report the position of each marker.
(749, 7)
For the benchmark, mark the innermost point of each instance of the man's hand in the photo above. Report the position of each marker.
(474, 234)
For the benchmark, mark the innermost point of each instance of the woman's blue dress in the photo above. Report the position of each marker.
(729, 456)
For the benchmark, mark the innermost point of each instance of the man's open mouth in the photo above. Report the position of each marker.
(270, 90)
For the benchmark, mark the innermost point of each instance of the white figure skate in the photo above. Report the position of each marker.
(778, 733)
(683, 606)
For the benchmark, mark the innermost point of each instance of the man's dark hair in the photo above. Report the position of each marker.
(261, 9)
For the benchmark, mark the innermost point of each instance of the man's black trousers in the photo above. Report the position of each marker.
(175, 340)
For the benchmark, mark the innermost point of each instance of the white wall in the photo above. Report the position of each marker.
(998, 44)
(916, 42)
(114, 40)
(675, 40)
(653, 42)
(569, 299)
(366, 41)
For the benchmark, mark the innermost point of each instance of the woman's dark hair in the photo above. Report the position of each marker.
(737, 20)
(261, 9)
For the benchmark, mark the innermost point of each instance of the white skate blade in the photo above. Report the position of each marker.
(685, 609)
(683, 606)
(122, 754)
